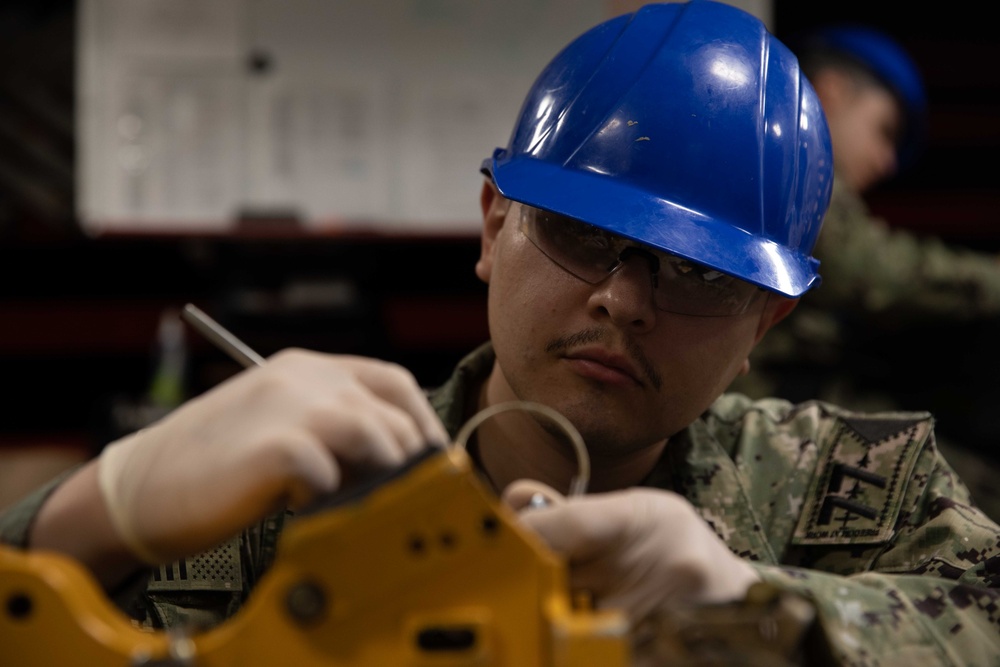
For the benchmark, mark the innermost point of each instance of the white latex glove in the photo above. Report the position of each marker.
(273, 435)
(643, 551)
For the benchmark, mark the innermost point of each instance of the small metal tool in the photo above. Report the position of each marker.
(219, 335)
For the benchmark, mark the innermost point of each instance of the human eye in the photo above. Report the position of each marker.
(595, 239)
(589, 243)
(700, 281)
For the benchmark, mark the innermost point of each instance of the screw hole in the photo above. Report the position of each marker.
(19, 606)
(490, 525)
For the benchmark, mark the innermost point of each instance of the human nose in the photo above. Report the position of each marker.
(626, 295)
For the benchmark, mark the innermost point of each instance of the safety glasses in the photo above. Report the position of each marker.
(592, 254)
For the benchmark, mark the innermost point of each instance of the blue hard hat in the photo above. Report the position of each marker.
(684, 126)
(889, 62)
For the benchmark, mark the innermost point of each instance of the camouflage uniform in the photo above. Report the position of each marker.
(874, 278)
(857, 512)
(880, 288)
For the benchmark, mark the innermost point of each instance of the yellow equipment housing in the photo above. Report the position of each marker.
(427, 568)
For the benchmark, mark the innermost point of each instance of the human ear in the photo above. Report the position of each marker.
(776, 309)
(494, 207)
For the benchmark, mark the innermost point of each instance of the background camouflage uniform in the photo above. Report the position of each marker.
(900, 321)
(857, 512)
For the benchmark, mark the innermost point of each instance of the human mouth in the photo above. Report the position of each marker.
(604, 366)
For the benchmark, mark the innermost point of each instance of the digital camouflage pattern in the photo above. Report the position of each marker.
(856, 512)
(872, 276)
(887, 271)
(879, 283)
(870, 266)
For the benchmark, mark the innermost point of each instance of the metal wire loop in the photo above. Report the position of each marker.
(577, 485)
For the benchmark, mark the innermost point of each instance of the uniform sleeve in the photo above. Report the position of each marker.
(931, 594)
(868, 265)
(201, 591)
(16, 520)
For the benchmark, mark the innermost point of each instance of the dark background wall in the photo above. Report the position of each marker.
(78, 315)
(951, 192)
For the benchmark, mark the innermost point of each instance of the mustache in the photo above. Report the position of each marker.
(597, 335)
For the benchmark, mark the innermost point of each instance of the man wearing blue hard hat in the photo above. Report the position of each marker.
(650, 219)
(879, 282)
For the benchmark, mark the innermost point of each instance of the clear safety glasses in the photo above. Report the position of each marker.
(592, 254)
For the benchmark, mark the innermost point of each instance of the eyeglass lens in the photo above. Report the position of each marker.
(592, 254)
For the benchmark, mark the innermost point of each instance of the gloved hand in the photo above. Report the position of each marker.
(273, 435)
(643, 551)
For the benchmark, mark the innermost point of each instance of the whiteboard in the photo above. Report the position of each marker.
(340, 116)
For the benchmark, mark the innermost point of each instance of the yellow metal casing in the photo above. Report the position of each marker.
(425, 569)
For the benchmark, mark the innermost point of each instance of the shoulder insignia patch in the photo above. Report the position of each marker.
(864, 467)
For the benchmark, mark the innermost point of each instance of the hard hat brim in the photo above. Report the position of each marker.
(622, 209)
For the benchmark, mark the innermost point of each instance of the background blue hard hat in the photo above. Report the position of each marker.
(889, 62)
(685, 126)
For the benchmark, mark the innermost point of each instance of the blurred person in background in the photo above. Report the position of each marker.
(879, 282)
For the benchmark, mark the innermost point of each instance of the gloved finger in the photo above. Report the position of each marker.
(396, 385)
(311, 463)
(368, 435)
(318, 473)
(582, 528)
(395, 427)
(529, 494)
(404, 433)
(351, 381)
